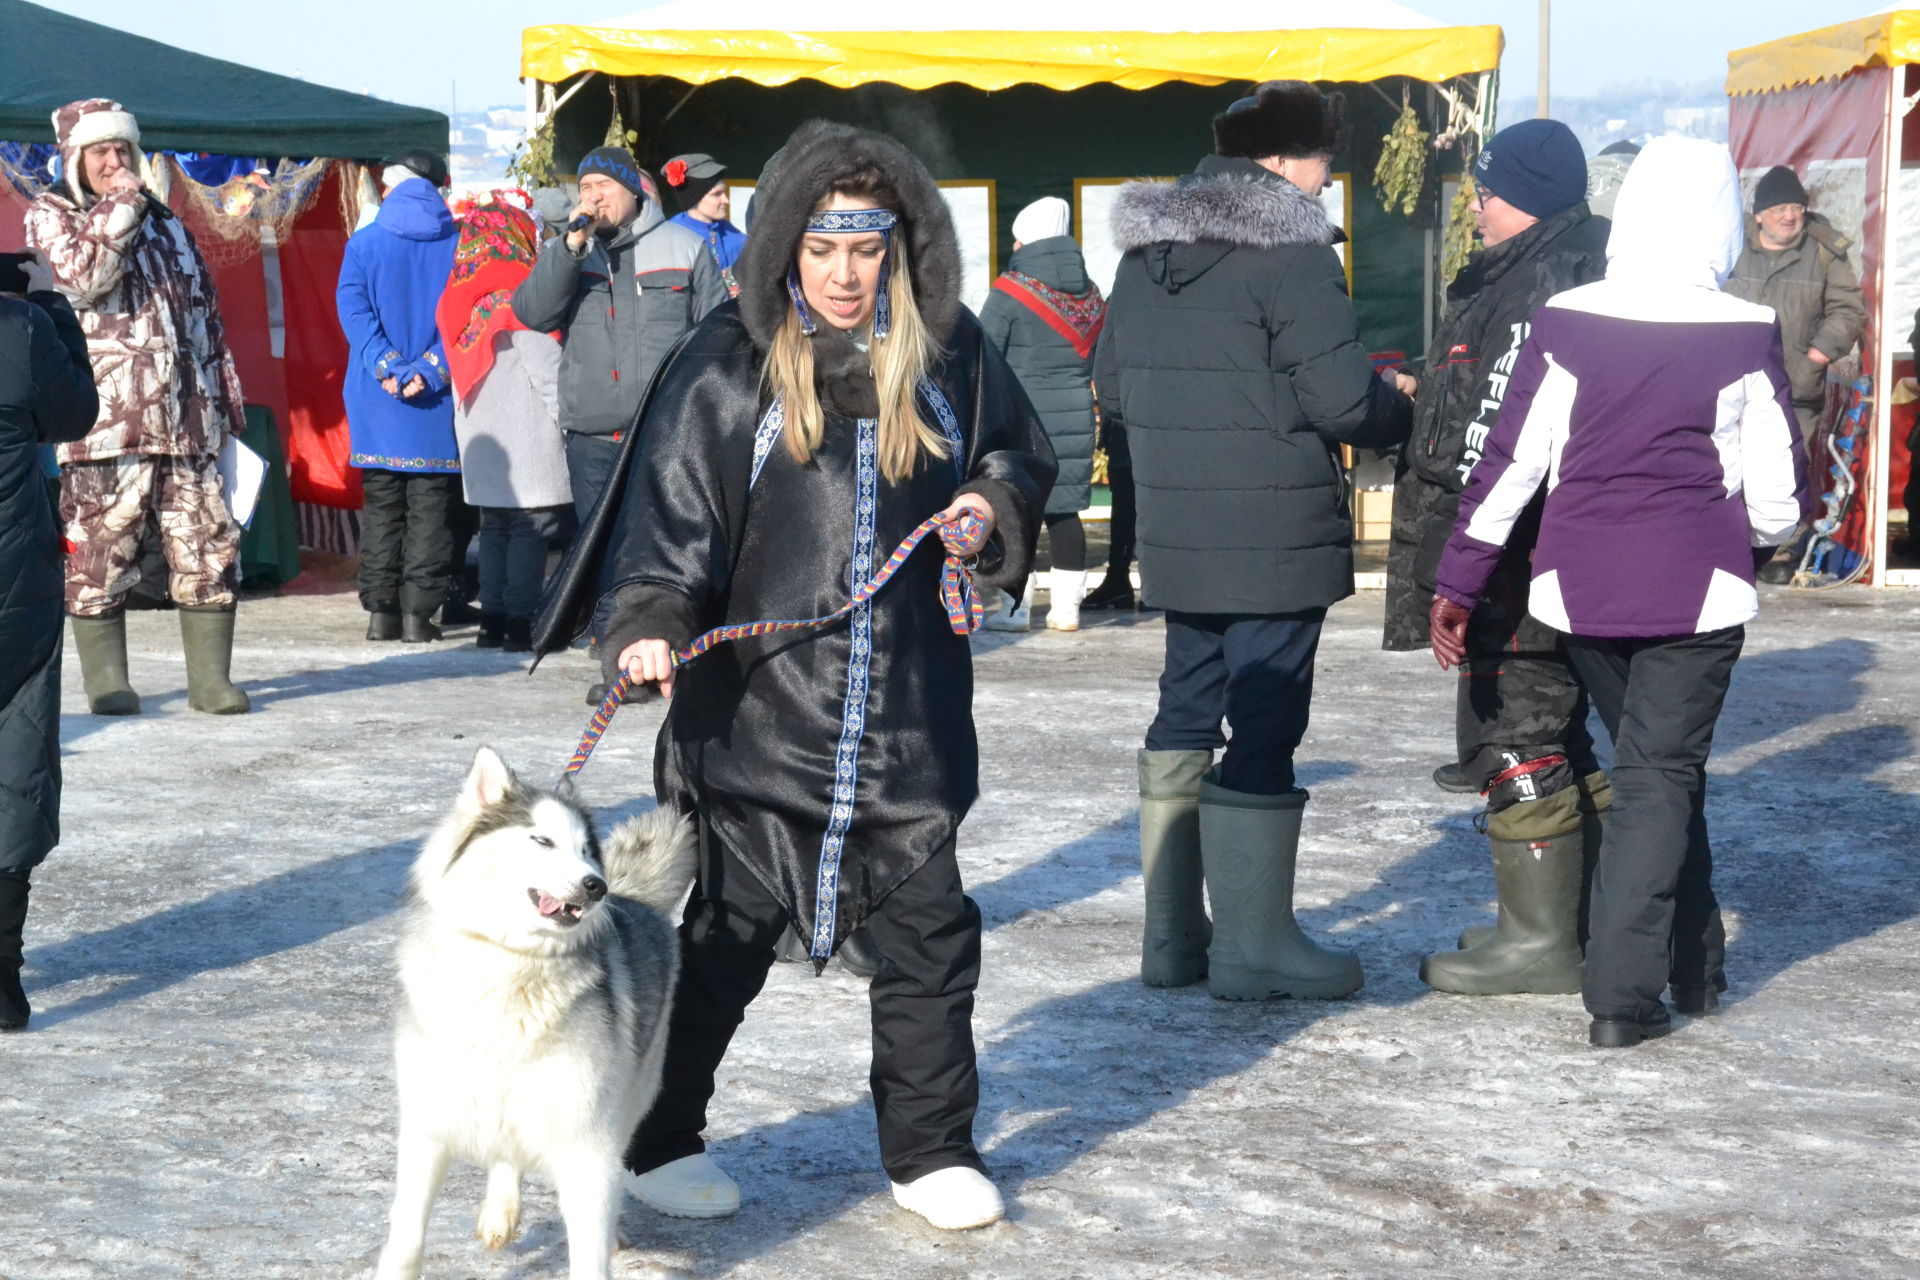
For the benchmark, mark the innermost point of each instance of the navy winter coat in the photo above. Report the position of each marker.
(46, 397)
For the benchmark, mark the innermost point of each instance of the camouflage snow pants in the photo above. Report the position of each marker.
(105, 506)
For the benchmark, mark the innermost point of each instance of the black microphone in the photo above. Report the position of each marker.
(579, 222)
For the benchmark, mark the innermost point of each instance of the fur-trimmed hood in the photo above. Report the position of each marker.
(818, 153)
(1233, 202)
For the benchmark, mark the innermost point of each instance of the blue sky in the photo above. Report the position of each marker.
(398, 49)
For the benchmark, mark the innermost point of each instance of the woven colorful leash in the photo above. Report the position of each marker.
(964, 610)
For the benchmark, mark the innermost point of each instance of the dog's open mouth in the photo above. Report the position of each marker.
(558, 910)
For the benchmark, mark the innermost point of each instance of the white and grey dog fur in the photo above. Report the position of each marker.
(537, 969)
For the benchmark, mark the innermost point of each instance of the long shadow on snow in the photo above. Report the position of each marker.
(236, 926)
(1076, 1062)
(443, 662)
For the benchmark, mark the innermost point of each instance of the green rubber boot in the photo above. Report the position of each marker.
(1174, 937)
(1539, 856)
(1249, 845)
(1596, 797)
(102, 645)
(207, 636)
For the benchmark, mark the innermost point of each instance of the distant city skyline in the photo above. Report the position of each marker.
(471, 60)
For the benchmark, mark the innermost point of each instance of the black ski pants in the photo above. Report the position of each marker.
(1654, 917)
(926, 1086)
(406, 540)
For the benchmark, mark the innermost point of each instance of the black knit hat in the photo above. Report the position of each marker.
(691, 176)
(423, 163)
(1536, 166)
(1778, 185)
(616, 163)
(1282, 118)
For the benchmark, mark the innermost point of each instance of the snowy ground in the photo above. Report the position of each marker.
(206, 1088)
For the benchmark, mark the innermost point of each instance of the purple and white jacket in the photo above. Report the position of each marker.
(1658, 413)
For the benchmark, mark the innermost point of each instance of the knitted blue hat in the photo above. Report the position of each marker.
(617, 163)
(1536, 166)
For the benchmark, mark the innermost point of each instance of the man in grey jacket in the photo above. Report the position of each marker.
(622, 284)
(1796, 263)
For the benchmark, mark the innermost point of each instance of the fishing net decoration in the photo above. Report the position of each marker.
(227, 219)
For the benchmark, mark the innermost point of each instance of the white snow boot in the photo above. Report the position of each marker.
(1248, 845)
(1012, 615)
(1066, 587)
(690, 1187)
(952, 1199)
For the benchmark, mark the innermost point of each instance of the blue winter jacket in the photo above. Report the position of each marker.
(391, 279)
(725, 239)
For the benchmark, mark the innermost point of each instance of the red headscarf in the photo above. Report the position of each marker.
(498, 243)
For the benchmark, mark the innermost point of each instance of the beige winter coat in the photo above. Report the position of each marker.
(1813, 289)
(146, 301)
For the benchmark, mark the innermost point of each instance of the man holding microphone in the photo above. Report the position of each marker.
(622, 284)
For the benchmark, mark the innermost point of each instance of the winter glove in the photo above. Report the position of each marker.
(1447, 629)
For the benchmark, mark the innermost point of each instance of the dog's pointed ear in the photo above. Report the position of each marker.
(488, 782)
(566, 790)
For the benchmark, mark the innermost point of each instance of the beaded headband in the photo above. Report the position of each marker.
(850, 222)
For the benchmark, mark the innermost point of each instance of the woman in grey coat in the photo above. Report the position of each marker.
(513, 460)
(1045, 315)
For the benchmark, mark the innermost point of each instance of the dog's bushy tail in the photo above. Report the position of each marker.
(650, 859)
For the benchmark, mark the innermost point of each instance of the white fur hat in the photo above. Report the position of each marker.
(79, 125)
(1044, 219)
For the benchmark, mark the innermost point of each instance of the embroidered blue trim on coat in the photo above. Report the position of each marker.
(853, 719)
(949, 427)
(764, 435)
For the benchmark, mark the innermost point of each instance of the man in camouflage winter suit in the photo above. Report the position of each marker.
(169, 397)
(1520, 721)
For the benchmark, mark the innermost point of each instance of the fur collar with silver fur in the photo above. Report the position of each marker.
(1238, 208)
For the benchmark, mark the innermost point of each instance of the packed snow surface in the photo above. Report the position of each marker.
(206, 1089)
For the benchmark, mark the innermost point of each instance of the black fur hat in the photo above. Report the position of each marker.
(1282, 118)
(818, 154)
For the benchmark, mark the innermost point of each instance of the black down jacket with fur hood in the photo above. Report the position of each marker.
(1232, 357)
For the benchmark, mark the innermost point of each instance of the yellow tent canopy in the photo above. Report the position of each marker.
(999, 43)
(1887, 39)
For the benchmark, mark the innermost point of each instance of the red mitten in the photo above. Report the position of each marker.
(1447, 629)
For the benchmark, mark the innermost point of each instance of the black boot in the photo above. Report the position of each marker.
(418, 628)
(493, 631)
(456, 612)
(383, 623)
(1114, 592)
(14, 1009)
(519, 636)
(1624, 1033)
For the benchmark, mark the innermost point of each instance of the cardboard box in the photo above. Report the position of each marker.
(1372, 514)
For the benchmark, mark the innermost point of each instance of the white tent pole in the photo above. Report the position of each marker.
(1882, 499)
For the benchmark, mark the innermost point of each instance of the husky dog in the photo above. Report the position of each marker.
(538, 967)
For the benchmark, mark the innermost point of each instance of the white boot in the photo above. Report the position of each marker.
(1012, 614)
(952, 1199)
(1067, 586)
(690, 1187)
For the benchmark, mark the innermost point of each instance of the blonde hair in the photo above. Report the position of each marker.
(901, 361)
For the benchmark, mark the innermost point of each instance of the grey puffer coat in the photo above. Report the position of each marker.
(621, 304)
(1052, 353)
(47, 396)
(1232, 359)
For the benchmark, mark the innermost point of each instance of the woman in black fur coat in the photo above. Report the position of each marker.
(797, 437)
